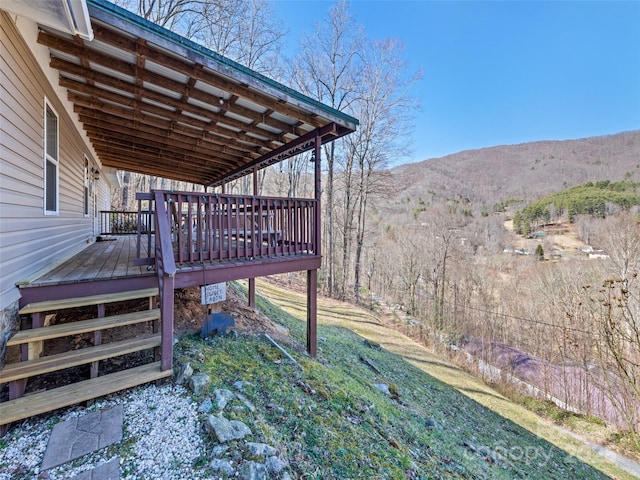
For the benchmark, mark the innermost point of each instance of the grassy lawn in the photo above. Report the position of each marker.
(429, 428)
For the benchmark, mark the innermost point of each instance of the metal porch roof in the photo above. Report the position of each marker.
(156, 103)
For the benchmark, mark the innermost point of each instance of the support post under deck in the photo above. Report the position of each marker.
(312, 275)
(252, 292)
(27, 352)
(312, 312)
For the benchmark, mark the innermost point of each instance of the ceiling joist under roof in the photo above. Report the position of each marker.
(155, 103)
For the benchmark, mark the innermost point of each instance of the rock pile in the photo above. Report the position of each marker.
(234, 454)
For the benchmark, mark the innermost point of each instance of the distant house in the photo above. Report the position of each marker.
(90, 90)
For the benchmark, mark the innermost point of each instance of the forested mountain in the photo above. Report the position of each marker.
(526, 171)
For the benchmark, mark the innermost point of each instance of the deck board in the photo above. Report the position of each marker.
(99, 261)
(114, 260)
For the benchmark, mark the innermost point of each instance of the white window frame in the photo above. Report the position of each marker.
(50, 159)
(86, 189)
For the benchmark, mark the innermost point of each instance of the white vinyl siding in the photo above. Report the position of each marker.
(31, 240)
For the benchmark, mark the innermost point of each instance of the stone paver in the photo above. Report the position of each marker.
(79, 436)
(105, 471)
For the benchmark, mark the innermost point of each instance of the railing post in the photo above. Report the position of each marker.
(166, 270)
(318, 183)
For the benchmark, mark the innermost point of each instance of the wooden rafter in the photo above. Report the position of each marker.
(129, 45)
(176, 113)
(109, 122)
(188, 126)
(186, 92)
(194, 72)
(153, 103)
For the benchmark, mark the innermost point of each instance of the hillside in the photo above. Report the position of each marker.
(332, 418)
(526, 171)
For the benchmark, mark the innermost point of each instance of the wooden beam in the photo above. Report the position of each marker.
(169, 120)
(136, 160)
(130, 156)
(180, 106)
(134, 108)
(187, 68)
(140, 75)
(214, 154)
(159, 171)
(299, 145)
(110, 122)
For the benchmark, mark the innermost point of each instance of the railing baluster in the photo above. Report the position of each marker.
(209, 226)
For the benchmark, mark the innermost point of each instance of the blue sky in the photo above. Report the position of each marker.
(498, 73)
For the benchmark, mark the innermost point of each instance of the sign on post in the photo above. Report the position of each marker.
(214, 293)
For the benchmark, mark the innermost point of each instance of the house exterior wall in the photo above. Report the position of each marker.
(30, 240)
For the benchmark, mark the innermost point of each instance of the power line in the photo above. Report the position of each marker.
(515, 317)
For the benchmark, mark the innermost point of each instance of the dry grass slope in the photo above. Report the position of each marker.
(364, 323)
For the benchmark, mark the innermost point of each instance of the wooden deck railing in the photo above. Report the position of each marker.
(219, 227)
(113, 222)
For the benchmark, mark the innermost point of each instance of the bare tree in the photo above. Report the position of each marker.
(328, 69)
(619, 313)
(176, 15)
(246, 31)
(384, 108)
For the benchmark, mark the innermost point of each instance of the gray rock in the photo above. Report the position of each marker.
(184, 373)
(275, 465)
(195, 353)
(223, 397)
(275, 408)
(199, 383)
(246, 402)
(285, 476)
(206, 406)
(252, 471)
(226, 430)
(260, 451)
(431, 423)
(383, 387)
(218, 451)
(222, 466)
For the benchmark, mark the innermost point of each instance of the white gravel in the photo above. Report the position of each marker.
(161, 439)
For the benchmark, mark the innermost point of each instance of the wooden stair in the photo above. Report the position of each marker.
(83, 326)
(32, 340)
(42, 402)
(77, 302)
(73, 358)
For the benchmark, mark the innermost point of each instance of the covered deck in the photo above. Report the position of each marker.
(157, 104)
(214, 238)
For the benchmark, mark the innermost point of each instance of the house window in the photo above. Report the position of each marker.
(51, 136)
(86, 193)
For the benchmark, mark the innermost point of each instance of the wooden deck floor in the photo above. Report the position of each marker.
(108, 260)
(108, 267)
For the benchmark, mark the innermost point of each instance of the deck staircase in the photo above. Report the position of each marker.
(31, 342)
